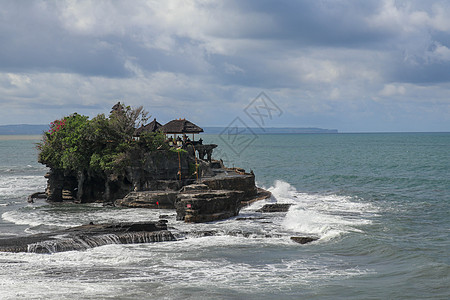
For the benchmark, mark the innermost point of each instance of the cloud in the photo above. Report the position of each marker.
(438, 53)
(392, 90)
(323, 61)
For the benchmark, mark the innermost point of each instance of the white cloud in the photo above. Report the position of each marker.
(232, 69)
(405, 17)
(440, 20)
(438, 53)
(392, 90)
(194, 56)
(335, 93)
(18, 80)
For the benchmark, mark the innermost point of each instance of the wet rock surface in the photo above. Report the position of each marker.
(232, 233)
(208, 205)
(231, 180)
(304, 239)
(149, 199)
(37, 195)
(276, 207)
(93, 235)
(89, 236)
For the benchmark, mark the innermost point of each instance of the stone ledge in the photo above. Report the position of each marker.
(88, 236)
(149, 199)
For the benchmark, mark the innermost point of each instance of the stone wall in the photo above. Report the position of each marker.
(206, 206)
(155, 182)
(245, 183)
(159, 170)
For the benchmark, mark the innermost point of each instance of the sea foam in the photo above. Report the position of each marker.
(17, 186)
(324, 216)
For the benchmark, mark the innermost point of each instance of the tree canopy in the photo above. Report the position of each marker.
(102, 144)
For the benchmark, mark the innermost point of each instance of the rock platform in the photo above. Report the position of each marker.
(214, 199)
(89, 236)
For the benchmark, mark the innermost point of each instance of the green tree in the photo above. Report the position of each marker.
(65, 145)
(77, 144)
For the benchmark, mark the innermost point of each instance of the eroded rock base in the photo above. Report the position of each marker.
(217, 198)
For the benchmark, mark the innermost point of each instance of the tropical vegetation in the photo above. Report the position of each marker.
(76, 143)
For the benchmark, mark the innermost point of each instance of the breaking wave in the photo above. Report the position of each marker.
(324, 216)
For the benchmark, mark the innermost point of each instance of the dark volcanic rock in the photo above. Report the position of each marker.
(250, 218)
(199, 233)
(233, 233)
(206, 206)
(88, 236)
(303, 239)
(277, 207)
(37, 195)
(165, 216)
(260, 195)
(55, 185)
(233, 181)
(194, 188)
(165, 180)
(149, 199)
(195, 202)
(158, 170)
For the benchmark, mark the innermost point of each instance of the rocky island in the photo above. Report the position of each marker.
(122, 161)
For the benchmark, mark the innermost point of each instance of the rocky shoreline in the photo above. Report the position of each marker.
(115, 162)
(91, 235)
(218, 193)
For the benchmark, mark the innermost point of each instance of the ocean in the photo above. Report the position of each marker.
(379, 204)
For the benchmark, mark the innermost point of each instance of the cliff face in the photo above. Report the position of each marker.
(208, 205)
(233, 181)
(159, 170)
(199, 191)
(217, 197)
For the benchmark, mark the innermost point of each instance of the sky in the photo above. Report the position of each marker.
(355, 66)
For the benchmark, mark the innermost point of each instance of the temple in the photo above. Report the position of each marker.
(180, 174)
(178, 133)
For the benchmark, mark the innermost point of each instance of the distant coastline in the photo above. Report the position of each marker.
(26, 129)
(22, 129)
(269, 130)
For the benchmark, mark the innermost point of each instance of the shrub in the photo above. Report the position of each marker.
(75, 143)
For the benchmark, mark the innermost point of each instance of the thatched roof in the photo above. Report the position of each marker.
(181, 126)
(153, 126)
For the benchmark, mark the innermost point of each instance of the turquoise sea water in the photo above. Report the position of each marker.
(379, 203)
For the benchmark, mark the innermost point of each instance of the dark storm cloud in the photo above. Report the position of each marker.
(428, 64)
(334, 60)
(34, 40)
(349, 24)
(422, 73)
(319, 23)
